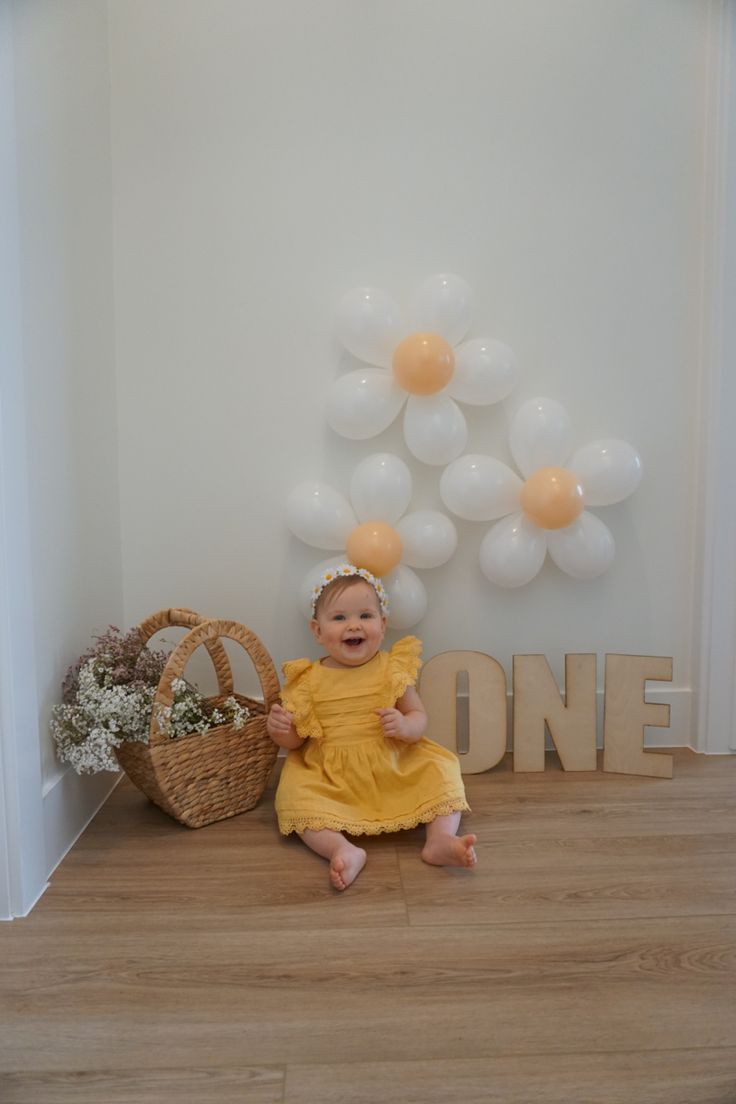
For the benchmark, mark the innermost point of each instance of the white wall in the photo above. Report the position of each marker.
(268, 157)
(265, 158)
(65, 242)
(23, 868)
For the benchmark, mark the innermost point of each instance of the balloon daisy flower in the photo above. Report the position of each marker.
(546, 510)
(373, 531)
(421, 361)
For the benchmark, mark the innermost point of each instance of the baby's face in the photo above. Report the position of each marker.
(350, 626)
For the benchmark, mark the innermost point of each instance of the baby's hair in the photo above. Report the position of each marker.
(338, 586)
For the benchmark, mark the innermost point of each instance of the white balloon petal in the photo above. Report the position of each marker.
(480, 488)
(512, 552)
(609, 471)
(539, 435)
(311, 579)
(407, 597)
(485, 372)
(435, 430)
(428, 538)
(443, 304)
(369, 324)
(363, 403)
(584, 549)
(319, 515)
(381, 487)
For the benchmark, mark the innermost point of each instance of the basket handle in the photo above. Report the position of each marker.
(189, 619)
(208, 633)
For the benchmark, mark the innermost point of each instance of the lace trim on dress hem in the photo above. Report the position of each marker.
(287, 825)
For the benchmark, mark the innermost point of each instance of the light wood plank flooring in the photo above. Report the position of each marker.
(590, 958)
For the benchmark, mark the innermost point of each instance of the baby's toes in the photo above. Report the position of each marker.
(337, 867)
(470, 855)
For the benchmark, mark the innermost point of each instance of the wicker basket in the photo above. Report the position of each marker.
(204, 777)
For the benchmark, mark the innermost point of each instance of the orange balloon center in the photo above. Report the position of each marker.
(423, 363)
(375, 546)
(552, 498)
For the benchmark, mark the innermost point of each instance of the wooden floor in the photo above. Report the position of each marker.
(589, 959)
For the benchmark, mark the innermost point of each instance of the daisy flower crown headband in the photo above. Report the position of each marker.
(344, 571)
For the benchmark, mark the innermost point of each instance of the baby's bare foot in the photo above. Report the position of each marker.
(346, 865)
(450, 851)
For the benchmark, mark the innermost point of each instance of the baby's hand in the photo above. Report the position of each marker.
(279, 722)
(393, 723)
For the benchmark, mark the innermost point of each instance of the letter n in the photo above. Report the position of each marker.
(571, 723)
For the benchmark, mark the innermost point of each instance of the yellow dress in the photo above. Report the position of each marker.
(347, 775)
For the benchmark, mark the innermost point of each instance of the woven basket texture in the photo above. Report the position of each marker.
(205, 777)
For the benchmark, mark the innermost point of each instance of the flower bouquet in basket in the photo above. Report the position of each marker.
(125, 705)
(108, 698)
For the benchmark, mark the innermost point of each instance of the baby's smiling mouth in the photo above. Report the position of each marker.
(353, 641)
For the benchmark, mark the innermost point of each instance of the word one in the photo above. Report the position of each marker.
(465, 697)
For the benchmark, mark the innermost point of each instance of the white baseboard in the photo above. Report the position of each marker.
(69, 804)
(28, 907)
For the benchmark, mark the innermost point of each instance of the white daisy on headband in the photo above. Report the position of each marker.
(346, 571)
(424, 358)
(374, 532)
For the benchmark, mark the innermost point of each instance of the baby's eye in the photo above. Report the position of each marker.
(339, 617)
(367, 616)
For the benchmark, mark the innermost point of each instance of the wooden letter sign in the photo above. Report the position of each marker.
(465, 697)
(626, 712)
(537, 701)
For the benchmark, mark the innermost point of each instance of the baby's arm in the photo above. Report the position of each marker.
(407, 721)
(280, 727)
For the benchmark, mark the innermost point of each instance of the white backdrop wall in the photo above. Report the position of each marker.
(64, 224)
(268, 157)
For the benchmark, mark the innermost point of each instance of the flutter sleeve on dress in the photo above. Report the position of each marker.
(296, 697)
(403, 665)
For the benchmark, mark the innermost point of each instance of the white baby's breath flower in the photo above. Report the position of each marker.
(106, 713)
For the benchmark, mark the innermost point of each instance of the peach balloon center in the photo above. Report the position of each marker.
(552, 498)
(423, 363)
(375, 546)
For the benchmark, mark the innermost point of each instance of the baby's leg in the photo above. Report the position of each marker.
(346, 860)
(444, 847)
